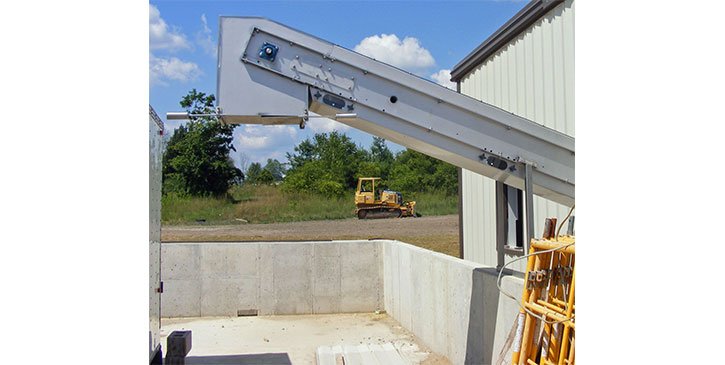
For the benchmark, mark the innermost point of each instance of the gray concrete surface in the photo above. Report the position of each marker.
(291, 339)
(453, 305)
(221, 279)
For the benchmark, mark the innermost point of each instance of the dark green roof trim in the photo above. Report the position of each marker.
(501, 37)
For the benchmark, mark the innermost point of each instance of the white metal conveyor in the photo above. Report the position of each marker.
(272, 74)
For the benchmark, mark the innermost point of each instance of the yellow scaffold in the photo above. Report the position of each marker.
(545, 325)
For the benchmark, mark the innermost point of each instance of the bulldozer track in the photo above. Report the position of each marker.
(379, 211)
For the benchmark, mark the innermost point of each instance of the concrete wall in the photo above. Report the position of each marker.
(156, 127)
(452, 305)
(219, 279)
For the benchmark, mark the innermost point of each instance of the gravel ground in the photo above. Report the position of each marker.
(438, 233)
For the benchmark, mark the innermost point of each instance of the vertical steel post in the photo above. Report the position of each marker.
(528, 186)
(569, 309)
(570, 228)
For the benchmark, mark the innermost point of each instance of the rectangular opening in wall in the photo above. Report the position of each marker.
(246, 312)
(514, 217)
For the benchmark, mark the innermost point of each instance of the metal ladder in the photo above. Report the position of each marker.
(545, 325)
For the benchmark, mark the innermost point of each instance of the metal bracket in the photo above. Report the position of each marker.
(561, 275)
(538, 279)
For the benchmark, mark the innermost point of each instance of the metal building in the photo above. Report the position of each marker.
(527, 68)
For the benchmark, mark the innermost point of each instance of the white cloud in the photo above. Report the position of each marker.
(204, 39)
(325, 125)
(161, 36)
(253, 142)
(171, 69)
(443, 77)
(260, 142)
(407, 54)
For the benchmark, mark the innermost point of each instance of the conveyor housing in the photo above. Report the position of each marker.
(272, 74)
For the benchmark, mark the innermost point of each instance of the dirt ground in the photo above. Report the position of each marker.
(437, 233)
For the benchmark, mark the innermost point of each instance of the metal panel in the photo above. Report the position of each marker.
(533, 77)
(479, 218)
(503, 36)
(156, 129)
(388, 102)
(272, 96)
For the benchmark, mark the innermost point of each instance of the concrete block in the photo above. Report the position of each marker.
(359, 258)
(405, 286)
(476, 321)
(293, 278)
(387, 272)
(326, 276)
(392, 279)
(178, 345)
(358, 303)
(180, 261)
(227, 260)
(293, 303)
(225, 297)
(181, 298)
(459, 308)
(507, 311)
(266, 299)
(490, 299)
(422, 293)
(248, 292)
(418, 285)
(329, 304)
(219, 297)
(440, 284)
(360, 284)
(381, 275)
(330, 249)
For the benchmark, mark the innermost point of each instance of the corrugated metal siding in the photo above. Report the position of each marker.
(533, 76)
(476, 217)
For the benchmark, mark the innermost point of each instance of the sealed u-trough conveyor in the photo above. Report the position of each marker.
(272, 74)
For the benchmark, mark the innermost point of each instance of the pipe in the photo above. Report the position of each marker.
(565, 342)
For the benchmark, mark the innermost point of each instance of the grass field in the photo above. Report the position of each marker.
(268, 204)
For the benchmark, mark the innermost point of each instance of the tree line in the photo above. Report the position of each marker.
(197, 162)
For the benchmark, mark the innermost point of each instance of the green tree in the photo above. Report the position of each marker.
(326, 164)
(369, 169)
(276, 169)
(413, 171)
(196, 160)
(381, 156)
(271, 172)
(253, 172)
(256, 174)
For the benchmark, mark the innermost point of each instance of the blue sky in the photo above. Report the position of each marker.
(427, 38)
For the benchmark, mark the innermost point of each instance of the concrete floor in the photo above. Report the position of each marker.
(291, 339)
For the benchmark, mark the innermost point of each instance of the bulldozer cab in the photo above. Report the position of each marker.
(365, 193)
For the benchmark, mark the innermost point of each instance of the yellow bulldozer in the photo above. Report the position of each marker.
(381, 203)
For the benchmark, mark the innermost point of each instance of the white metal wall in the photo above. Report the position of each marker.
(533, 76)
(155, 156)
